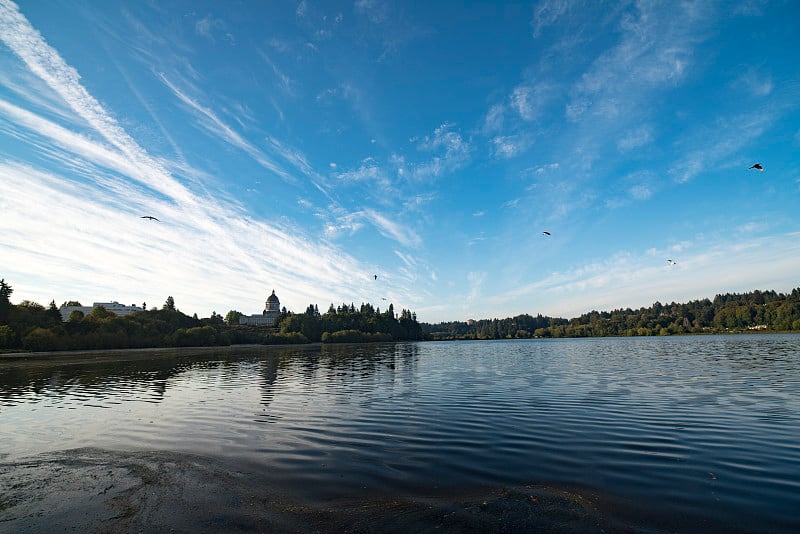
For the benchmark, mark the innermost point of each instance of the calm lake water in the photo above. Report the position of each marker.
(695, 432)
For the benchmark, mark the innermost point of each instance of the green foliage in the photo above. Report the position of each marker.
(169, 304)
(232, 317)
(354, 336)
(31, 326)
(5, 301)
(71, 303)
(293, 338)
(198, 336)
(41, 339)
(8, 338)
(747, 312)
(99, 314)
(346, 317)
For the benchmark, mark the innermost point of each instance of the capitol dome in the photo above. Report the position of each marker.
(273, 304)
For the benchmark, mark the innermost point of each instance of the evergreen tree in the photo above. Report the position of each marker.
(5, 302)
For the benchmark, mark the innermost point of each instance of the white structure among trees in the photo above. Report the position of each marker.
(114, 307)
(272, 310)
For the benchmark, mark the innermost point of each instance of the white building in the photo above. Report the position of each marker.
(114, 307)
(268, 317)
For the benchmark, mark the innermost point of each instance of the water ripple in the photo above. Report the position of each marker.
(700, 425)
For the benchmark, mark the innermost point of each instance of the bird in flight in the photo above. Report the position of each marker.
(672, 262)
(150, 217)
(376, 276)
(757, 166)
(546, 233)
(384, 298)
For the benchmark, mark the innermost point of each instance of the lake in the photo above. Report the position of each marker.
(696, 433)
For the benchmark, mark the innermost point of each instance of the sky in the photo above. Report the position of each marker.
(307, 146)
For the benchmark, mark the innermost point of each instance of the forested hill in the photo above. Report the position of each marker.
(732, 312)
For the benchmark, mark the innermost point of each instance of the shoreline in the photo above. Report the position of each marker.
(43, 355)
(40, 355)
(94, 490)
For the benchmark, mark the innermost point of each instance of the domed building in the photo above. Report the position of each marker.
(272, 310)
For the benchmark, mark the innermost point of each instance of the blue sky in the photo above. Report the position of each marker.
(306, 146)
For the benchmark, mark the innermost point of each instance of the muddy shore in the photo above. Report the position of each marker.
(91, 490)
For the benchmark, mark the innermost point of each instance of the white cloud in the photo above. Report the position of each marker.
(391, 229)
(375, 10)
(634, 280)
(755, 82)
(547, 168)
(636, 138)
(720, 143)
(654, 52)
(453, 152)
(87, 237)
(208, 26)
(530, 99)
(284, 82)
(211, 123)
(477, 239)
(475, 281)
(406, 258)
(640, 192)
(493, 121)
(750, 8)
(368, 171)
(302, 9)
(509, 146)
(546, 13)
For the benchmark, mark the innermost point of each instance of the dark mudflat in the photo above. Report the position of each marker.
(90, 490)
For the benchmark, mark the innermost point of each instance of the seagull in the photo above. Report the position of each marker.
(757, 166)
(150, 217)
(546, 233)
(672, 262)
(384, 298)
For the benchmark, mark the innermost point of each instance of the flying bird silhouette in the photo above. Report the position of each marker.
(672, 262)
(757, 166)
(150, 217)
(376, 276)
(546, 233)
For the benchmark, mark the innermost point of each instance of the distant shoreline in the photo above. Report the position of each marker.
(150, 351)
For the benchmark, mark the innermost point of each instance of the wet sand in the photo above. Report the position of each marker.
(91, 490)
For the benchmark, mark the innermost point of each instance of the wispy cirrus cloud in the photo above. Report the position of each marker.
(656, 50)
(638, 137)
(755, 82)
(529, 100)
(509, 146)
(87, 237)
(209, 26)
(340, 221)
(720, 144)
(284, 82)
(547, 12)
(493, 121)
(389, 228)
(451, 151)
(210, 122)
(627, 279)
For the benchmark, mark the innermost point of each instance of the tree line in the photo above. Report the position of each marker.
(732, 312)
(346, 323)
(31, 326)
